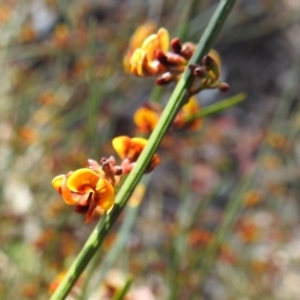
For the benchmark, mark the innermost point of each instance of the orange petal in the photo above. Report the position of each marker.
(57, 182)
(150, 45)
(104, 194)
(126, 62)
(153, 163)
(82, 181)
(164, 39)
(137, 61)
(69, 197)
(121, 145)
(141, 34)
(191, 107)
(146, 119)
(139, 141)
(136, 147)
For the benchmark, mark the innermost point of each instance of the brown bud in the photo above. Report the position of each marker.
(176, 60)
(223, 87)
(197, 70)
(176, 45)
(117, 170)
(208, 62)
(187, 50)
(212, 67)
(161, 57)
(164, 79)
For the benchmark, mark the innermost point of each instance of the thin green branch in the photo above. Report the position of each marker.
(217, 107)
(122, 293)
(176, 101)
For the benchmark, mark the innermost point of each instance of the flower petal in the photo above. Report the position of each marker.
(146, 119)
(164, 39)
(191, 107)
(150, 45)
(137, 62)
(57, 182)
(69, 197)
(104, 195)
(136, 147)
(141, 34)
(90, 211)
(139, 141)
(82, 181)
(121, 145)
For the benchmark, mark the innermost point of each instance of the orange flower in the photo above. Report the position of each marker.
(47, 98)
(129, 150)
(200, 237)
(56, 282)
(146, 118)
(276, 140)
(157, 56)
(27, 34)
(61, 35)
(248, 231)
(252, 197)
(184, 119)
(136, 42)
(143, 62)
(86, 189)
(5, 13)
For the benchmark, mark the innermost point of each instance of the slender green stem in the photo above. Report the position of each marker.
(217, 107)
(176, 101)
(131, 213)
(122, 293)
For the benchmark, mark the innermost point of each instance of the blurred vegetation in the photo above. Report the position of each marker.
(219, 217)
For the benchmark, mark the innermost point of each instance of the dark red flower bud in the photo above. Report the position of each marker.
(176, 46)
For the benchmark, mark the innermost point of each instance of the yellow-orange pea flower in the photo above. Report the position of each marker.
(184, 119)
(143, 62)
(145, 119)
(129, 149)
(86, 189)
(136, 41)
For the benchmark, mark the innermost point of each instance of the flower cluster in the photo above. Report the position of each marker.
(94, 187)
(207, 75)
(157, 56)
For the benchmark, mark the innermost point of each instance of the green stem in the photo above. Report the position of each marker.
(122, 293)
(176, 101)
(217, 107)
(131, 213)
